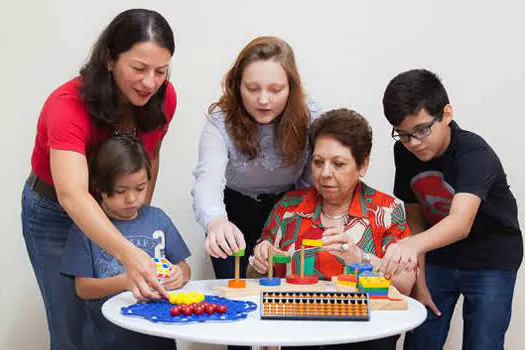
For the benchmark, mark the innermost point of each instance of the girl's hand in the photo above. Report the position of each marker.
(223, 238)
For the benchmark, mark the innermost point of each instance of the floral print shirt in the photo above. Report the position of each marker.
(374, 220)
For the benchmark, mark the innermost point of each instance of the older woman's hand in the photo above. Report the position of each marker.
(223, 238)
(341, 245)
(399, 257)
(260, 256)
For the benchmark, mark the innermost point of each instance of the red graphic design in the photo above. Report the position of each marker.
(434, 194)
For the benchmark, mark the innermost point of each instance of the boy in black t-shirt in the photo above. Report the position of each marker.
(462, 213)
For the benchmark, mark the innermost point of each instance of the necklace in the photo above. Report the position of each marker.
(129, 132)
(334, 217)
(126, 126)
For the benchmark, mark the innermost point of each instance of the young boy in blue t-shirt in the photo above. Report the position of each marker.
(120, 173)
(461, 211)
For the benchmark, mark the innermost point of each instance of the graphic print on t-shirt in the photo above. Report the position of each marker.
(434, 194)
(108, 266)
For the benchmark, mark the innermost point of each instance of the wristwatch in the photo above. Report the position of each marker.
(365, 257)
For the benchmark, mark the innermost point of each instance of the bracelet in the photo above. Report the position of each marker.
(365, 257)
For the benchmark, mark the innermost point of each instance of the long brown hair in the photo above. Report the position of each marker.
(292, 126)
(98, 89)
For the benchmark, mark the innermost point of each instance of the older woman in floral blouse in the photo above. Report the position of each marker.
(357, 222)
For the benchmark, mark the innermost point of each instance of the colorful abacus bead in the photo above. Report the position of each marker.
(314, 306)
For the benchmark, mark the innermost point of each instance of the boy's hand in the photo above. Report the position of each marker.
(175, 279)
(399, 257)
(422, 294)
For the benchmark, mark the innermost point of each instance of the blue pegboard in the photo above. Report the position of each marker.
(159, 311)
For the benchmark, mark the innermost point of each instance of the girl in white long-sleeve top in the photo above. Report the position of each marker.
(253, 148)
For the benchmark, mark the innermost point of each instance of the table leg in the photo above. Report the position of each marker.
(257, 347)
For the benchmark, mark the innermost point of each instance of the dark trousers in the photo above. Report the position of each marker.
(249, 215)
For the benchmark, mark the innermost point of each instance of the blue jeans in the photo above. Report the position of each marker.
(46, 226)
(486, 308)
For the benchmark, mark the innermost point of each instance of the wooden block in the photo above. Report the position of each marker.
(237, 284)
(281, 259)
(312, 242)
(395, 301)
(346, 284)
(347, 278)
(253, 289)
(298, 280)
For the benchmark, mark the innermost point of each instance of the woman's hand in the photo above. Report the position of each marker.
(175, 278)
(223, 238)
(141, 273)
(399, 257)
(260, 256)
(340, 244)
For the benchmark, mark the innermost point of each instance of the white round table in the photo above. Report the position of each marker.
(253, 331)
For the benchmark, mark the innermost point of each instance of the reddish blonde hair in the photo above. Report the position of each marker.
(292, 129)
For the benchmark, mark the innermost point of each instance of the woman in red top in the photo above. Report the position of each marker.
(123, 88)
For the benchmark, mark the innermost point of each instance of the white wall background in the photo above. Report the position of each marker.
(346, 50)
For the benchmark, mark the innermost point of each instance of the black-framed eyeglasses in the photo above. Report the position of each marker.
(419, 133)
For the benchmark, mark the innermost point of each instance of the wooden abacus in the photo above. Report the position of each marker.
(301, 305)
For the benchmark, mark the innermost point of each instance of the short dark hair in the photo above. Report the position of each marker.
(118, 155)
(98, 90)
(349, 128)
(410, 92)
